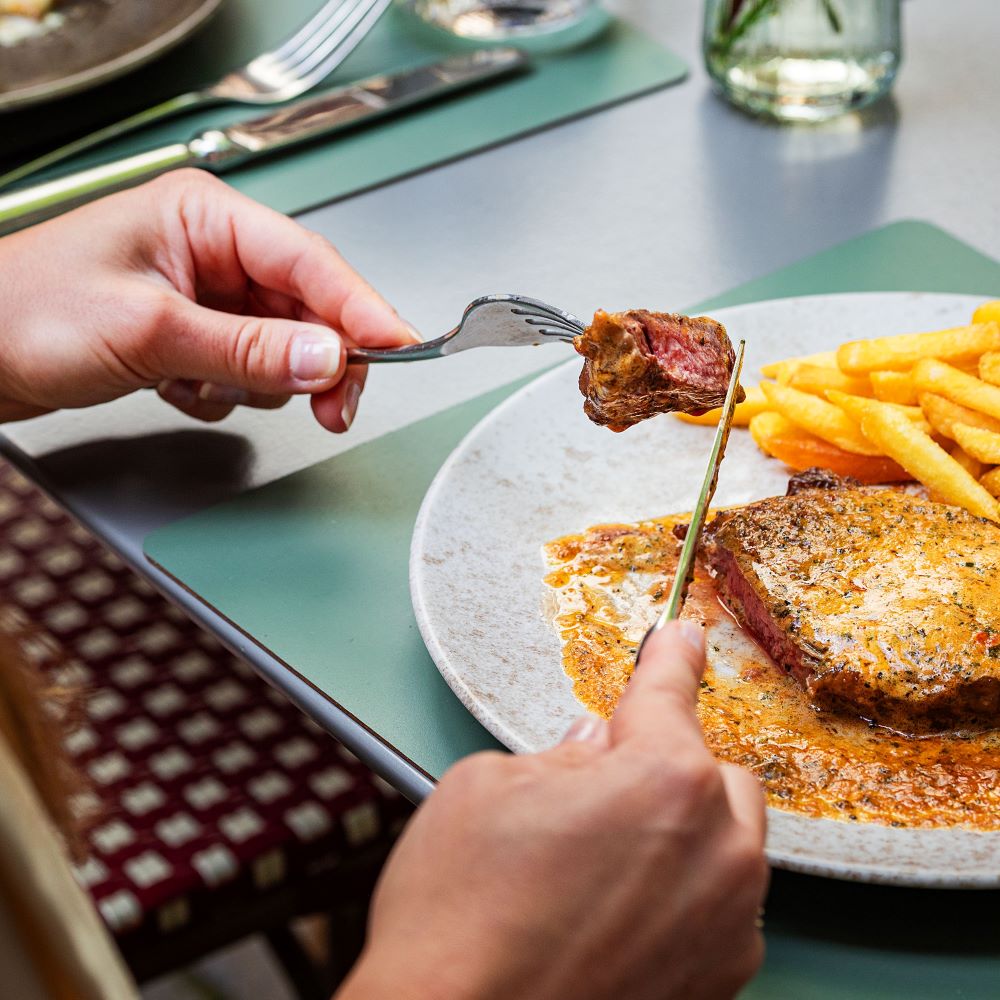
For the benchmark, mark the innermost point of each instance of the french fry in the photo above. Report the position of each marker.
(988, 312)
(972, 466)
(980, 444)
(755, 403)
(770, 424)
(856, 406)
(819, 417)
(944, 380)
(902, 352)
(991, 480)
(989, 367)
(926, 461)
(778, 437)
(942, 414)
(894, 387)
(816, 380)
(780, 370)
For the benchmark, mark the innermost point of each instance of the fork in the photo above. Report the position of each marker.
(490, 321)
(301, 61)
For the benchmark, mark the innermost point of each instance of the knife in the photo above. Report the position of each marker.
(219, 150)
(685, 565)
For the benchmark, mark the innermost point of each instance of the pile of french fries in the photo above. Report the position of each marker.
(918, 406)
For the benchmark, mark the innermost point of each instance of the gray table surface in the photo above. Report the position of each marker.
(668, 199)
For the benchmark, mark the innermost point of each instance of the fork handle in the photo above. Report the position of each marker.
(158, 112)
(384, 355)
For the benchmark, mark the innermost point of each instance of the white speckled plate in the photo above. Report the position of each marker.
(536, 468)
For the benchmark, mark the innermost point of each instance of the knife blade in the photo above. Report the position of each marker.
(219, 150)
(685, 564)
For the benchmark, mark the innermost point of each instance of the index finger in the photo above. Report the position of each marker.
(659, 703)
(229, 232)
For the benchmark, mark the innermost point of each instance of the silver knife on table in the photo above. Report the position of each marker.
(219, 150)
(685, 564)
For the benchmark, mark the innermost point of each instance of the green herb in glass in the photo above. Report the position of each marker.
(804, 60)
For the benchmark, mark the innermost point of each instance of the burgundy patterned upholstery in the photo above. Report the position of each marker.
(210, 783)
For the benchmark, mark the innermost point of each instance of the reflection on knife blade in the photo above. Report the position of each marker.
(371, 98)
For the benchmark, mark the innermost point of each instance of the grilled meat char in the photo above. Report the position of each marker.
(879, 603)
(641, 363)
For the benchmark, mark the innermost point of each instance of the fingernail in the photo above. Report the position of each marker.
(227, 394)
(179, 393)
(584, 729)
(693, 634)
(414, 332)
(351, 396)
(314, 357)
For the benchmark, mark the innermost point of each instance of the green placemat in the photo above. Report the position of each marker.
(618, 63)
(314, 567)
(324, 552)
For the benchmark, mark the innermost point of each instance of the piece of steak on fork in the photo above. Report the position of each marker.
(641, 363)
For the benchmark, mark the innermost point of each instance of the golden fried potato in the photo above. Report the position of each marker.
(987, 312)
(926, 461)
(771, 424)
(989, 367)
(991, 480)
(947, 381)
(816, 380)
(972, 466)
(781, 370)
(819, 417)
(894, 387)
(854, 406)
(754, 403)
(902, 352)
(781, 439)
(942, 414)
(981, 444)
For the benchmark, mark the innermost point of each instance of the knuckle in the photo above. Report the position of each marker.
(696, 784)
(184, 179)
(675, 795)
(250, 350)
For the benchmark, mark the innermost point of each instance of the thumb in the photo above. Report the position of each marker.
(261, 354)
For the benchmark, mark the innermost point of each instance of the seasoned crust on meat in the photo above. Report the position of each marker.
(641, 363)
(878, 602)
(816, 478)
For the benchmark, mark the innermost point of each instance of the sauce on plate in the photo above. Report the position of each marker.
(607, 584)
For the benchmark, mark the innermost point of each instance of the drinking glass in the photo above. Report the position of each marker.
(499, 20)
(802, 60)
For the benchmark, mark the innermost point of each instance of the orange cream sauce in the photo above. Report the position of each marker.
(608, 584)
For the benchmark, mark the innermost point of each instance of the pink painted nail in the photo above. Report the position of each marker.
(584, 730)
(228, 395)
(315, 357)
(178, 392)
(352, 394)
(693, 634)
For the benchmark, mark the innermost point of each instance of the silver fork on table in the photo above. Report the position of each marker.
(301, 61)
(490, 321)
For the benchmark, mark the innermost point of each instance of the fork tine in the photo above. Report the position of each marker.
(341, 42)
(302, 34)
(540, 314)
(334, 20)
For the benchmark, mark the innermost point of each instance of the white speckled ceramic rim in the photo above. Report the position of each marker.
(536, 468)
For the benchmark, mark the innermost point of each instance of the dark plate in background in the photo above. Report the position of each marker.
(98, 40)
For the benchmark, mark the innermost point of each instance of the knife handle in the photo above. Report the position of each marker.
(43, 201)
